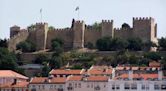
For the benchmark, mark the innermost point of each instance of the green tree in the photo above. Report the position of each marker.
(55, 62)
(135, 44)
(89, 45)
(3, 43)
(103, 44)
(26, 46)
(45, 70)
(41, 58)
(118, 44)
(97, 26)
(153, 56)
(7, 60)
(162, 43)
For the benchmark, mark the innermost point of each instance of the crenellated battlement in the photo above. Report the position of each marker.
(117, 29)
(107, 21)
(142, 18)
(79, 34)
(41, 23)
(79, 21)
(62, 29)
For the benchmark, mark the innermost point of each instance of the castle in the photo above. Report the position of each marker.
(79, 34)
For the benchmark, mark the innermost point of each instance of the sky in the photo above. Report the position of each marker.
(59, 13)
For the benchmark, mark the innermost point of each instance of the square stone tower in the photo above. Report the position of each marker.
(107, 28)
(78, 32)
(41, 36)
(145, 28)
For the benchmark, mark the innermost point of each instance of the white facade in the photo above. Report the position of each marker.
(133, 85)
(46, 87)
(86, 86)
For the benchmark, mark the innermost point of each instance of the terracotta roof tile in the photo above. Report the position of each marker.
(10, 73)
(43, 80)
(60, 71)
(58, 80)
(17, 85)
(21, 85)
(99, 71)
(37, 80)
(75, 78)
(98, 78)
(143, 76)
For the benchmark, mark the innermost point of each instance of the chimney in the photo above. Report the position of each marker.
(160, 75)
(130, 75)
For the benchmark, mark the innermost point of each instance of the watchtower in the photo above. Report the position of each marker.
(145, 28)
(14, 30)
(41, 35)
(107, 28)
(78, 32)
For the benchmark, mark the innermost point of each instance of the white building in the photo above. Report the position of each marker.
(90, 83)
(138, 82)
(9, 76)
(47, 84)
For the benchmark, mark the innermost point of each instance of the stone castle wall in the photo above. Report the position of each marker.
(15, 39)
(65, 34)
(123, 33)
(79, 35)
(92, 35)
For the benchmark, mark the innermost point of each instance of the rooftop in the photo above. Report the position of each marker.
(11, 74)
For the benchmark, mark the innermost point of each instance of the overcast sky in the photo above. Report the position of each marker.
(59, 13)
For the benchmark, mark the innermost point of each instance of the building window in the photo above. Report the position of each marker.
(75, 85)
(60, 86)
(143, 87)
(113, 87)
(117, 87)
(43, 86)
(33, 90)
(88, 86)
(70, 84)
(127, 86)
(51, 86)
(33, 86)
(79, 85)
(156, 87)
(97, 88)
(163, 87)
(91, 85)
(134, 86)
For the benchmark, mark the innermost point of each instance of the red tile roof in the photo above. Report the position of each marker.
(143, 76)
(58, 80)
(97, 78)
(43, 80)
(65, 72)
(22, 84)
(99, 71)
(38, 80)
(75, 78)
(10, 73)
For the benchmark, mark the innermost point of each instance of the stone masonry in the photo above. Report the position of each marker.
(78, 35)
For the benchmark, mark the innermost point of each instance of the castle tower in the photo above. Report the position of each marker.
(107, 28)
(41, 35)
(14, 30)
(78, 38)
(145, 28)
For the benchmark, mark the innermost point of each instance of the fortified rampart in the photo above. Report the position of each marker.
(16, 37)
(79, 34)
